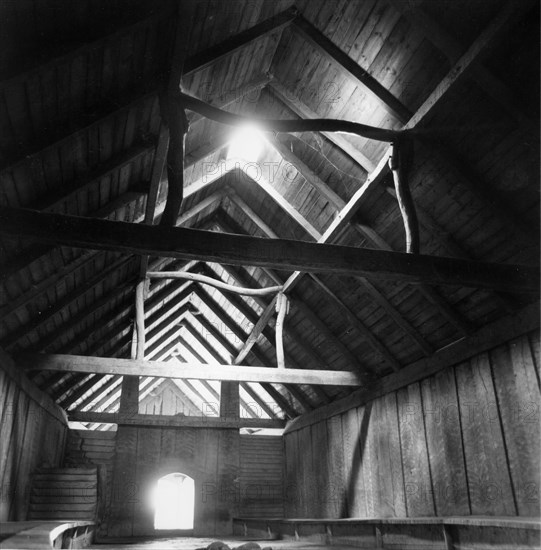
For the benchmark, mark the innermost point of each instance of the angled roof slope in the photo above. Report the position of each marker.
(82, 135)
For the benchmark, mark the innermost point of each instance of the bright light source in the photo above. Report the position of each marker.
(247, 144)
(173, 501)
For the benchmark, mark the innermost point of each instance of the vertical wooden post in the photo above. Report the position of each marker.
(140, 318)
(282, 307)
(229, 400)
(129, 396)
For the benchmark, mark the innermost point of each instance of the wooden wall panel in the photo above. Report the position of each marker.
(486, 462)
(464, 441)
(32, 435)
(263, 490)
(291, 469)
(444, 442)
(336, 505)
(517, 393)
(419, 501)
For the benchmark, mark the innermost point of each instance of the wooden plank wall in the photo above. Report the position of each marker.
(32, 435)
(144, 454)
(465, 441)
(261, 476)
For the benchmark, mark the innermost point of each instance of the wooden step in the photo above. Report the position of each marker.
(68, 508)
(53, 479)
(68, 471)
(62, 499)
(67, 490)
(51, 515)
(92, 434)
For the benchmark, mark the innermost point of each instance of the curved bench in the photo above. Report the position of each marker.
(46, 534)
(434, 533)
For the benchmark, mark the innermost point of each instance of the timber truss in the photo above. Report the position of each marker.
(184, 280)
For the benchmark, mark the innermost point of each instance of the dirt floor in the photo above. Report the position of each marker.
(192, 543)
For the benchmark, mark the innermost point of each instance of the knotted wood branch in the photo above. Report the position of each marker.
(399, 163)
(296, 125)
(213, 282)
(174, 115)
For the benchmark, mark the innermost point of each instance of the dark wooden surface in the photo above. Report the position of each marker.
(463, 441)
(32, 431)
(277, 254)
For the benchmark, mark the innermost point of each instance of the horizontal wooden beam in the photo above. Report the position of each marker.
(193, 244)
(291, 125)
(289, 99)
(490, 336)
(166, 421)
(192, 370)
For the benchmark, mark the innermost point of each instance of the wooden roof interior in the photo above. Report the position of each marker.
(80, 116)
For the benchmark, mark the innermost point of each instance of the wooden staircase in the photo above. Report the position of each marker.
(64, 494)
(94, 449)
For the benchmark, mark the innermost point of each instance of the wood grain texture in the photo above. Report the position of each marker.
(275, 253)
(32, 432)
(464, 441)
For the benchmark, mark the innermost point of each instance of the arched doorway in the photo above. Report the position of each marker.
(174, 500)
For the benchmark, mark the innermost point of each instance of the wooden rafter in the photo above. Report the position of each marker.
(210, 329)
(259, 357)
(36, 252)
(291, 334)
(330, 234)
(303, 111)
(451, 47)
(451, 314)
(485, 339)
(314, 319)
(13, 338)
(194, 333)
(475, 54)
(229, 46)
(313, 179)
(119, 293)
(435, 230)
(150, 90)
(268, 332)
(80, 291)
(333, 53)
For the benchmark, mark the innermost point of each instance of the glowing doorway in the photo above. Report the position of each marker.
(174, 499)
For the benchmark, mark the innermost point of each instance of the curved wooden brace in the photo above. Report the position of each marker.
(282, 307)
(399, 162)
(298, 125)
(213, 282)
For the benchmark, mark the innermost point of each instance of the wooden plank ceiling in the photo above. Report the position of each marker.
(80, 122)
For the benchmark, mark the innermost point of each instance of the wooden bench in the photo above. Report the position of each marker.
(427, 533)
(46, 534)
